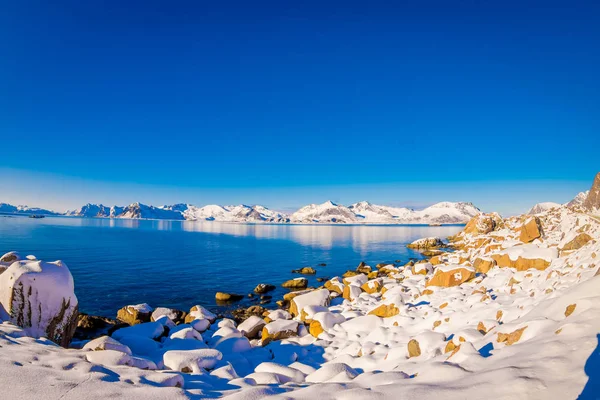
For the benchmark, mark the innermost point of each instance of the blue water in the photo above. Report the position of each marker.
(182, 263)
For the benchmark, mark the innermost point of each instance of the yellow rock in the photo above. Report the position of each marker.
(483, 265)
(315, 328)
(481, 328)
(130, 315)
(269, 337)
(443, 305)
(436, 324)
(449, 346)
(427, 292)
(329, 285)
(484, 223)
(570, 309)
(414, 350)
(371, 287)
(511, 338)
(385, 311)
(577, 243)
(499, 314)
(531, 230)
(451, 277)
(520, 264)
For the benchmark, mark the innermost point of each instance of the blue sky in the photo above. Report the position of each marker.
(287, 104)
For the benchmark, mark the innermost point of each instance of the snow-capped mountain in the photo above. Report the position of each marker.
(542, 207)
(241, 213)
(579, 199)
(6, 208)
(328, 212)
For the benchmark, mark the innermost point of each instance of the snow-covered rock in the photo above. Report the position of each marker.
(40, 297)
(542, 207)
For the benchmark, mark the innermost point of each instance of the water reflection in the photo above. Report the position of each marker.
(325, 237)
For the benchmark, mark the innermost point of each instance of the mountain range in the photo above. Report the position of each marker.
(328, 212)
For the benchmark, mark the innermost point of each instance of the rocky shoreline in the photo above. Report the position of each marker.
(509, 310)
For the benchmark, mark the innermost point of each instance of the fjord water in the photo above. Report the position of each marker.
(116, 262)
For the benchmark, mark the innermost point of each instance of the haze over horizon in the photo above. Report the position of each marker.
(285, 105)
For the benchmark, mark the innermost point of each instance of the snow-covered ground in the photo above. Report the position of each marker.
(512, 313)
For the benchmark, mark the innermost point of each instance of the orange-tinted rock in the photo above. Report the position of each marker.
(570, 309)
(531, 230)
(448, 277)
(578, 242)
(414, 350)
(511, 338)
(385, 311)
(483, 265)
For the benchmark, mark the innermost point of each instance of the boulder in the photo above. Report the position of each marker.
(278, 330)
(451, 275)
(252, 327)
(40, 298)
(525, 257)
(297, 283)
(305, 271)
(194, 361)
(199, 312)
(385, 311)
(106, 343)
(262, 288)
(91, 326)
(177, 316)
(222, 296)
(484, 223)
(10, 258)
(483, 264)
(592, 201)
(426, 243)
(414, 350)
(137, 314)
(363, 268)
(315, 298)
(511, 338)
(578, 242)
(531, 230)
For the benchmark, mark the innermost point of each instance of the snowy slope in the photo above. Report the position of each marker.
(327, 212)
(10, 209)
(579, 199)
(541, 207)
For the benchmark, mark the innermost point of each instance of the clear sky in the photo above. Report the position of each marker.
(288, 103)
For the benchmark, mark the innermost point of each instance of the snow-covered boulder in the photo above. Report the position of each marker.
(426, 243)
(136, 314)
(106, 343)
(194, 361)
(484, 223)
(40, 297)
(252, 327)
(314, 298)
(451, 275)
(199, 312)
(278, 330)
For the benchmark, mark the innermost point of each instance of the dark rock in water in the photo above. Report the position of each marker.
(263, 288)
(305, 271)
(242, 314)
(322, 265)
(592, 201)
(322, 279)
(298, 283)
(363, 268)
(265, 297)
(250, 295)
(225, 297)
(91, 327)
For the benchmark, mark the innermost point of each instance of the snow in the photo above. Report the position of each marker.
(542, 207)
(449, 343)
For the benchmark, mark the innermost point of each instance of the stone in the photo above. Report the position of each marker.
(511, 338)
(199, 312)
(305, 271)
(252, 327)
(483, 224)
(385, 311)
(10, 258)
(451, 275)
(225, 297)
(521, 263)
(40, 298)
(262, 288)
(531, 230)
(298, 283)
(315, 328)
(414, 350)
(426, 243)
(578, 242)
(137, 314)
(177, 316)
(279, 330)
(91, 327)
(483, 265)
(570, 309)
(371, 287)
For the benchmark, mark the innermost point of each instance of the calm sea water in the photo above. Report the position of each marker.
(180, 263)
